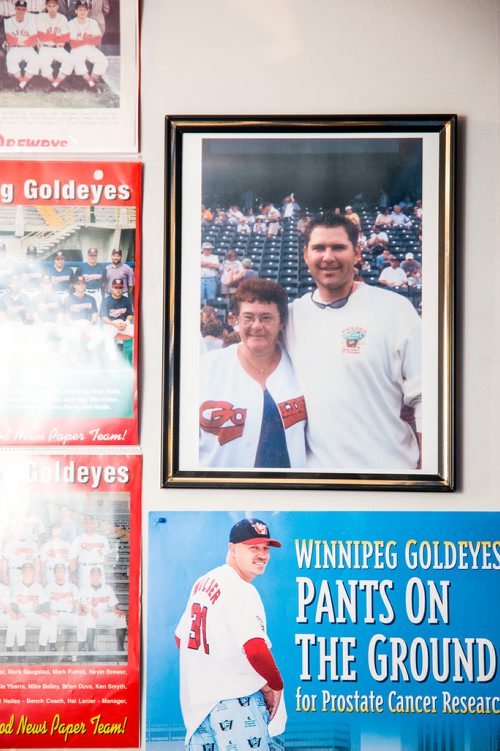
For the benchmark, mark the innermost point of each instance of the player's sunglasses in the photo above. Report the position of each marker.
(335, 304)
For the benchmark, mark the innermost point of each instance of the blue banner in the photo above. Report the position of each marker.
(384, 625)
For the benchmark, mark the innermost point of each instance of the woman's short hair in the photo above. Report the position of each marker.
(263, 290)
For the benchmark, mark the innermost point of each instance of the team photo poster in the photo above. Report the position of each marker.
(69, 76)
(69, 600)
(322, 323)
(384, 625)
(69, 291)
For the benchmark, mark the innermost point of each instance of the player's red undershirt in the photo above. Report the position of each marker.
(262, 661)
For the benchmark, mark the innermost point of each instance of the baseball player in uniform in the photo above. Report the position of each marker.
(80, 315)
(62, 275)
(4, 605)
(7, 10)
(28, 609)
(32, 272)
(21, 37)
(99, 604)
(47, 314)
(356, 351)
(119, 270)
(94, 274)
(54, 552)
(88, 550)
(85, 39)
(117, 318)
(64, 601)
(7, 269)
(53, 34)
(230, 687)
(21, 548)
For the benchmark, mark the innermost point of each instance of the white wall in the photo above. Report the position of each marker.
(337, 57)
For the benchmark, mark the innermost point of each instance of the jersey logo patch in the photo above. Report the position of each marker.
(226, 725)
(353, 337)
(244, 701)
(293, 411)
(223, 420)
(254, 742)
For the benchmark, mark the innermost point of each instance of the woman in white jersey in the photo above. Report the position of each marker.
(252, 411)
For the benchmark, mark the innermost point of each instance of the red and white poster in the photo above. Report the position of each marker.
(69, 290)
(69, 77)
(69, 600)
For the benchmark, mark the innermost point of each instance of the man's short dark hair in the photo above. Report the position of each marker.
(332, 220)
(263, 290)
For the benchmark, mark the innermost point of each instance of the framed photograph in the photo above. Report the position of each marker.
(309, 306)
(69, 76)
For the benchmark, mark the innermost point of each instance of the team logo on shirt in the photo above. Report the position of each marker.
(226, 725)
(353, 336)
(223, 420)
(208, 747)
(244, 701)
(254, 742)
(293, 411)
(250, 722)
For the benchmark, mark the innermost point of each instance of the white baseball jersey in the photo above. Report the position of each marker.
(21, 33)
(28, 597)
(231, 408)
(62, 597)
(90, 550)
(16, 552)
(34, 524)
(223, 613)
(87, 33)
(101, 598)
(53, 32)
(357, 366)
(53, 552)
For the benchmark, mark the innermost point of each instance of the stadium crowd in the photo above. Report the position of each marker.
(267, 242)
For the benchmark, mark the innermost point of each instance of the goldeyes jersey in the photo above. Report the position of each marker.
(101, 598)
(28, 596)
(231, 409)
(62, 597)
(223, 613)
(91, 548)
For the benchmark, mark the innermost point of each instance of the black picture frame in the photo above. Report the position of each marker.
(215, 155)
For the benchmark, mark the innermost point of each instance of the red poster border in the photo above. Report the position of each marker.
(39, 714)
